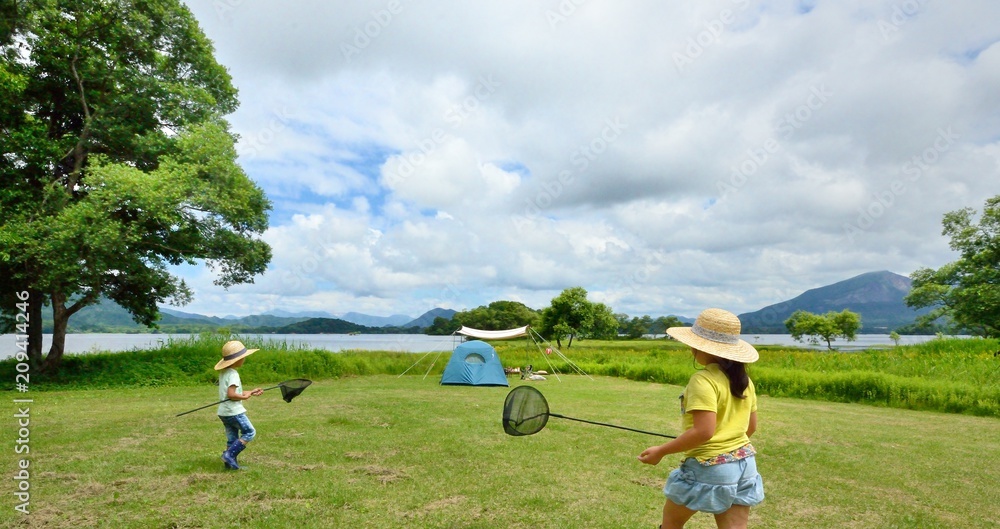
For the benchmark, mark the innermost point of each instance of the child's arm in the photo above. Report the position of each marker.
(232, 394)
(703, 430)
(753, 424)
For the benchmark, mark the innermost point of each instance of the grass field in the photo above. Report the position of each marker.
(384, 451)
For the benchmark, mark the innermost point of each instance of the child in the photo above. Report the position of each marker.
(232, 412)
(718, 473)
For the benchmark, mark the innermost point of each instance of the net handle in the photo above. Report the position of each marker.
(227, 400)
(612, 426)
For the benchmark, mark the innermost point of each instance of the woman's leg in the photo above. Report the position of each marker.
(675, 516)
(735, 518)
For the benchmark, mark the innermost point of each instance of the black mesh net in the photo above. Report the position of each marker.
(525, 411)
(292, 388)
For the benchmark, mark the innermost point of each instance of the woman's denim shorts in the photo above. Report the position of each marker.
(716, 488)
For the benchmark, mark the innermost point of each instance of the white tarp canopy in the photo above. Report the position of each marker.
(493, 335)
(505, 335)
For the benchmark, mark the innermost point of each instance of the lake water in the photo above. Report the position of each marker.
(88, 343)
(863, 341)
(412, 343)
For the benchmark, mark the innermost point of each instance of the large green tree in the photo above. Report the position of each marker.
(661, 324)
(116, 161)
(635, 327)
(497, 316)
(571, 315)
(803, 326)
(965, 292)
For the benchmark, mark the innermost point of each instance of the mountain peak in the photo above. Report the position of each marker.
(876, 296)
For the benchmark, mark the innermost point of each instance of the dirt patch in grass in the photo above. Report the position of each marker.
(656, 483)
(383, 475)
(199, 477)
(370, 455)
(434, 506)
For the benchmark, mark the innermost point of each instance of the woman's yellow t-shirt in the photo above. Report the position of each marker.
(708, 390)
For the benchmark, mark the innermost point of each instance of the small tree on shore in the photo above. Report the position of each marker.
(806, 326)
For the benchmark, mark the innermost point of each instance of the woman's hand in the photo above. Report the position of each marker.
(652, 455)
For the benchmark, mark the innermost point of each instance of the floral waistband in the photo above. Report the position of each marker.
(742, 452)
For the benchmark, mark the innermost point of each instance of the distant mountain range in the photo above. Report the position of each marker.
(108, 317)
(279, 318)
(876, 296)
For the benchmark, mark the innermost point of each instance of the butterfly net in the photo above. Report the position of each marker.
(292, 388)
(525, 411)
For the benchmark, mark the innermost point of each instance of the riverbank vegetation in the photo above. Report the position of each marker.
(946, 375)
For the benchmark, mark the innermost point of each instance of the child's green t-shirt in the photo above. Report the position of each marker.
(229, 377)
(708, 390)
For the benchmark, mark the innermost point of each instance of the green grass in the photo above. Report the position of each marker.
(388, 451)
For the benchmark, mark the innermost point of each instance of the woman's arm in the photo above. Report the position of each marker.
(702, 430)
(232, 394)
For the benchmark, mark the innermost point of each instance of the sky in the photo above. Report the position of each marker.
(665, 156)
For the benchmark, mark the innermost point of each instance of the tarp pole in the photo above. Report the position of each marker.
(432, 365)
(417, 362)
(562, 356)
(546, 357)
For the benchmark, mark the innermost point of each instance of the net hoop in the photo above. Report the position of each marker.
(525, 411)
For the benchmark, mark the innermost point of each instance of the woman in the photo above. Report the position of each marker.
(718, 472)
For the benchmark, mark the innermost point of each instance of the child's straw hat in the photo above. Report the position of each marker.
(232, 352)
(717, 332)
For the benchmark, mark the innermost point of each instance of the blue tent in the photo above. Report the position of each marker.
(474, 363)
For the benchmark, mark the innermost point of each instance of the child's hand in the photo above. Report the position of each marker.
(257, 392)
(651, 455)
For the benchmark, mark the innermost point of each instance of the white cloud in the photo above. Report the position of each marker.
(666, 157)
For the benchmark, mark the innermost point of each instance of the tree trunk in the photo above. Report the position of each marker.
(35, 301)
(570, 343)
(60, 318)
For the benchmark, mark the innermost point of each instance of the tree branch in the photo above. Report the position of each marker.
(78, 150)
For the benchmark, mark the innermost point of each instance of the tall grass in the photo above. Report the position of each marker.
(191, 361)
(946, 375)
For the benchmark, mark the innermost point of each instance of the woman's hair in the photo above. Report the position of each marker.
(736, 372)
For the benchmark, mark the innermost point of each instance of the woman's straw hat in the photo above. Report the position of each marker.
(232, 352)
(716, 332)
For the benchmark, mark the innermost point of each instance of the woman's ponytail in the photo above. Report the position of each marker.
(736, 372)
